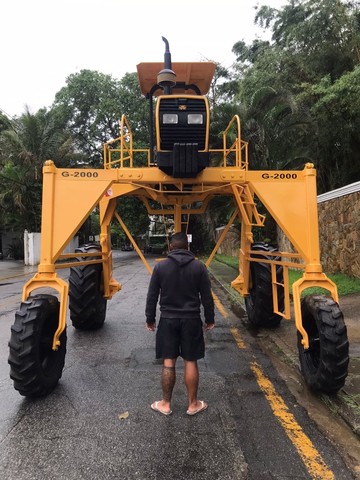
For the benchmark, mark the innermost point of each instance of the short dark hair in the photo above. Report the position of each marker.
(179, 240)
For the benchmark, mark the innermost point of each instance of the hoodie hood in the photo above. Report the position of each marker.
(181, 257)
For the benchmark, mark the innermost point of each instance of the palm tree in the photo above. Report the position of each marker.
(25, 145)
(277, 132)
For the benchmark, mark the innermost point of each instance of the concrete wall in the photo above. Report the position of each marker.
(32, 247)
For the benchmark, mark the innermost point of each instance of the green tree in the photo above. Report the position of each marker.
(25, 145)
(277, 130)
(336, 109)
(317, 37)
(134, 214)
(288, 84)
(5, 122)
(91, 105)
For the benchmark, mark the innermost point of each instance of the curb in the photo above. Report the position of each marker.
(343, 404)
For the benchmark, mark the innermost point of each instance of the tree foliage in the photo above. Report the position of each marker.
(134, 215)
(297, 94)
(300, 89)
(25, 145)
(91, 105)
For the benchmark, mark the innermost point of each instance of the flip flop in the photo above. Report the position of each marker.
(203, 407)
(155, 407)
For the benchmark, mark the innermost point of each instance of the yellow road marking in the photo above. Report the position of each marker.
(219, 305)
(307, 451)
(312, 459)
(239, 341)
(235, 332)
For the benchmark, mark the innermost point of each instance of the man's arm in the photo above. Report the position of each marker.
(152, 299)
(207, 299)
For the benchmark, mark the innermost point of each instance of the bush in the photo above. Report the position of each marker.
(15, 250)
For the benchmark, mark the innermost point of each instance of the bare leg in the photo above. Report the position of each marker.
(168, 378)
(191, 380)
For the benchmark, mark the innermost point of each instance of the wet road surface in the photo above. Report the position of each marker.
(97, 424)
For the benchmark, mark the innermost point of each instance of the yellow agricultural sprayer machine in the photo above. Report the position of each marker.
(179, 173)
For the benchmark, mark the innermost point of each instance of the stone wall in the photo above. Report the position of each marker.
(339, 224)
(339, 228)
(231, 243)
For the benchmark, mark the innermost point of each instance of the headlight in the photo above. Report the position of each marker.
(170, 118)
(195, 119)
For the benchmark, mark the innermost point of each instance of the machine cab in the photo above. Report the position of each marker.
(179, 139)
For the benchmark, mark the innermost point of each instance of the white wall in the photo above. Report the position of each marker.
(32, 247)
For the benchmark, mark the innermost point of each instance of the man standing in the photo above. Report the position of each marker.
(183, 284)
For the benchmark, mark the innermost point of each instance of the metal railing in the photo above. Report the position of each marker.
(235, 154)
(123, 154)
(120, 153)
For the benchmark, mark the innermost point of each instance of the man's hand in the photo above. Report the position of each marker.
(209, 326)
(150, 326)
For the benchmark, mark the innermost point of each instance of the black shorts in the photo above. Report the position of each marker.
(180, 337)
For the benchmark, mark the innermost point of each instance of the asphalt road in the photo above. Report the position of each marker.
(97, 424)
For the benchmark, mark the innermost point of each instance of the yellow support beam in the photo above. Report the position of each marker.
(70, 195)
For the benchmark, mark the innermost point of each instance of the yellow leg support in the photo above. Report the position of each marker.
(177, 217)
(221, 238)
(247, 211)
(310, 280)
(135, 245)
(51, 280)
(107, 209)
(241, 283)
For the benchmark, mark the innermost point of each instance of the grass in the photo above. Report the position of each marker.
(231, 261)
(346, 285)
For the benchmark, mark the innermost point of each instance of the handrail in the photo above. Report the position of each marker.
(239, 146)
(123, 143)
(125, 149)
(235, 145)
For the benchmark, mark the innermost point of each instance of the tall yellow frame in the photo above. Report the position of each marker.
(289, 196)
(70, 195)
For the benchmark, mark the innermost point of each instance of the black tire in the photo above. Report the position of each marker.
(86, 302)
(259, 302)
(35, 367)
(324, 364)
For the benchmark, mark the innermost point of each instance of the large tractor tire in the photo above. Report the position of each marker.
(324, 364)
(259, 302)
(35, 367)
(86, 302)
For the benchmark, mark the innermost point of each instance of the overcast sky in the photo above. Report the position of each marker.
(44, 41)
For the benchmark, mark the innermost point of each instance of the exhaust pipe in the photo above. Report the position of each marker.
(166, 77)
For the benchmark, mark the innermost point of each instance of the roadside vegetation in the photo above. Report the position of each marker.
(346, 285)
